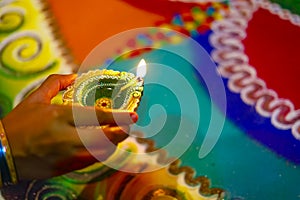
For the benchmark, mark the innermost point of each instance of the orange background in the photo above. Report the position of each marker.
(84, 24)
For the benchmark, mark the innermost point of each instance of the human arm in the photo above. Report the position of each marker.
(43, 137)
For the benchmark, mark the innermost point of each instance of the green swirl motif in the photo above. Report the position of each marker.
(23, 54)
(42, 190)
(29, 49)
(11, 19)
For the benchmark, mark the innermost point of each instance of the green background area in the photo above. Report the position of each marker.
(292, 5)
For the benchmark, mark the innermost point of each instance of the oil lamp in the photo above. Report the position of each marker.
(108, 89)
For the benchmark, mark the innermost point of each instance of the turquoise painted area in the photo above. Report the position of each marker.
(237, 163)
(245, 168)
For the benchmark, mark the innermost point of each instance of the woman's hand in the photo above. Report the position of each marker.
(44, 139)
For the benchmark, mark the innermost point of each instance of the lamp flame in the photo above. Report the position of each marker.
(141, 69)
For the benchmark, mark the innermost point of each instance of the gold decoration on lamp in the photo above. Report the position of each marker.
(107, 89)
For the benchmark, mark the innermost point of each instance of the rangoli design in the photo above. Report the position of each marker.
(257, 156)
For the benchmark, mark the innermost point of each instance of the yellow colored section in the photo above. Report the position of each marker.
(28, 50)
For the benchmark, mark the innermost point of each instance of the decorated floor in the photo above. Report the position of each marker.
(221, 93)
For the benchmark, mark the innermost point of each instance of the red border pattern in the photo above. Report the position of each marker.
(234, 63)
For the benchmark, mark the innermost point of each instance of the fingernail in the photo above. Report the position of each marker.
(134, 117)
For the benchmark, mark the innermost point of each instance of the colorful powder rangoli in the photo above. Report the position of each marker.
(254, 44)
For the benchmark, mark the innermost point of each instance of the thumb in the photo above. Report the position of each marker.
(51, 86)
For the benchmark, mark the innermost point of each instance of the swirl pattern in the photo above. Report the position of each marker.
(21, 54)
(233, 64)
(11, 19)
(40, 190)
(30, 48)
